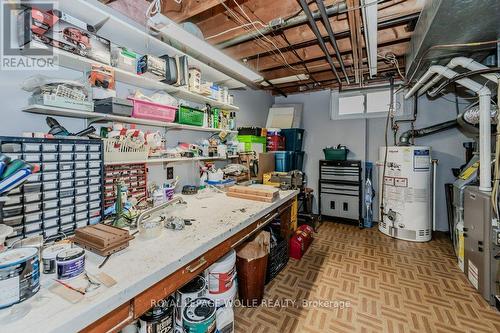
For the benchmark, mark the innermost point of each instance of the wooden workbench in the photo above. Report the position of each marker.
(150, 270)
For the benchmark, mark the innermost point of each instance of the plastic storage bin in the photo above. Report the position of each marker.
(252, 143)
(114, 105)
(298, 160)
(153, 111)
(294, 138)
(336, 154)
(189, 116)
(278, 255)
(283, 161)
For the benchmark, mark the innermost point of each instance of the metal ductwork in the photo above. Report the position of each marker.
(405, 138)
(444, 22)
(290, 23)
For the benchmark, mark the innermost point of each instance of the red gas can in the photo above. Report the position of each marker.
(300, 241)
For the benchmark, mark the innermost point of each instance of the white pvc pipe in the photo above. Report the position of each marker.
(460, 62)
(484, 118)
(434, 177)
(485, 141)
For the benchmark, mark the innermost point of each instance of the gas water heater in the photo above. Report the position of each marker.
(407, 192)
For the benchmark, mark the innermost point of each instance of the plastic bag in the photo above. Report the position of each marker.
(256, 248)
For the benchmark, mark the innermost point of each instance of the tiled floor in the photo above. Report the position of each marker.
(380, 285)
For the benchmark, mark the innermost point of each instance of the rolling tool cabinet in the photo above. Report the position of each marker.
(65, 194)
(340, 190)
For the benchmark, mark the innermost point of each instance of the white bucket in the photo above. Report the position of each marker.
(225, 299)
(222, 273)
(224, 320)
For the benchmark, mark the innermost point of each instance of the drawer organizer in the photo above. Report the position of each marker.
(57, 198)
(134, 176)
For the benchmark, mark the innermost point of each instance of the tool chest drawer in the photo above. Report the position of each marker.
(340, 191)
(343, 206)
(71, 171)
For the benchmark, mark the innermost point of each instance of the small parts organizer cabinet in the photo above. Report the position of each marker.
(64, 195)
(340, 190)
(134, 176)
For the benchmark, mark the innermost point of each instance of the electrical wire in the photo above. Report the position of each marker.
(496, 172)
(391, 57)
(236, 28)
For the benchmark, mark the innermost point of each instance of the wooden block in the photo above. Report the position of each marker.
(270, 193)
(250, 197)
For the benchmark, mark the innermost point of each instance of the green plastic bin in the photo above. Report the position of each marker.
(189, 116)
(336, 154)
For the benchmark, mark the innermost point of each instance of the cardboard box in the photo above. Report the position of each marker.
(266, 164)
(60, 30)
(152, 67)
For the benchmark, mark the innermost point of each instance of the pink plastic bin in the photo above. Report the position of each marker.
(153, 111)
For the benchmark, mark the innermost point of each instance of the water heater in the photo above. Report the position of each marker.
(407, 193)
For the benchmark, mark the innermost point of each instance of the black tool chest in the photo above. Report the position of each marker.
(64, 195)
(340, 190)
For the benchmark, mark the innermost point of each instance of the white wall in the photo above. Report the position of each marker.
(364, 137)
(253, 110)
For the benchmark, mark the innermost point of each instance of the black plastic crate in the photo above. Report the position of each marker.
(257, 131)
(278, 255)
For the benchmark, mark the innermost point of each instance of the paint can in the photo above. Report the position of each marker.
(222, 273)
(199, 316)
(224, 320)
(225, 299)
(159, 319)
(70, 263)
(49, 256)
(19, 275)
(194, 289)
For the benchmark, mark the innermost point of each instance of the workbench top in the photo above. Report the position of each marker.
(142, 264)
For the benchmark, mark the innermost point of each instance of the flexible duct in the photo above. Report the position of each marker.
(404, 139)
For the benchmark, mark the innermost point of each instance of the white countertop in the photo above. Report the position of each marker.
(141, 265)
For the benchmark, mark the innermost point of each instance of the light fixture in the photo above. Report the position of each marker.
(370, 22)
(173, 34)
(287, 79)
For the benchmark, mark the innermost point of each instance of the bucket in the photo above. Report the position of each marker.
(222, 273)
(49, 256)
(70, 263)
(196, 288)
(224, 299)
(19, 275)
(199, 316)
(224, 320)
(160, 318)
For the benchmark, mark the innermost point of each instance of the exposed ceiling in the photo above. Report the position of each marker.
(288, 51)
(275, 39)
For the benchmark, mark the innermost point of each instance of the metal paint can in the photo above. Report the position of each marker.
(199, 316)
(49, 256)
(19, 275)
(159, 319)
(194, 289)
(70, 263)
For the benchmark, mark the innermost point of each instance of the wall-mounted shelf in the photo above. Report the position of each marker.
(169, 160)
(76, 62)
(95, 116)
